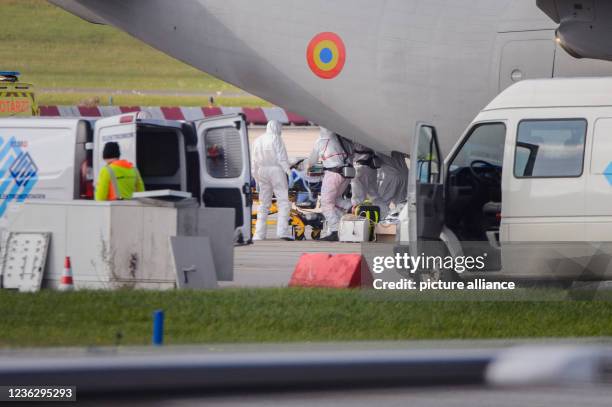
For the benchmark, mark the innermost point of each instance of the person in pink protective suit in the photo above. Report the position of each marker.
(330, 151)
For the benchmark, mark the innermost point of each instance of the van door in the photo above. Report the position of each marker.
(120, 129)
(223, 146)
(425, 188)
(473, 190)
(547, 196)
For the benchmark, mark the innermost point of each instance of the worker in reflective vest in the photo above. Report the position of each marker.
(119, 179)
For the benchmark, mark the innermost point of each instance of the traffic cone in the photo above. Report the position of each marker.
(66, 283)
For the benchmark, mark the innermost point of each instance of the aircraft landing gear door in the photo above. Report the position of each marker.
(525, 55)
(425, 188)
(223, 146)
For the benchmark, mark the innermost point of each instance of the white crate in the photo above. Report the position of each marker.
(354, 229)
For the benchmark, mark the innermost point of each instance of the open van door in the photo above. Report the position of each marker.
(223, 146)
(425, 188)
(121, 129)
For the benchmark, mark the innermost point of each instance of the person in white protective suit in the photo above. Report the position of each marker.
(392, 182)
(365, 184)
(334, 156)
(270, 167)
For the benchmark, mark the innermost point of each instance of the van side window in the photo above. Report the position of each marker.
(223, 152)
(550, 148)
(427, 157)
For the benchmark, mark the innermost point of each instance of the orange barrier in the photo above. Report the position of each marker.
(331, 271)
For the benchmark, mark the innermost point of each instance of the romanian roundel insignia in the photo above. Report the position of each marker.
(326, 55)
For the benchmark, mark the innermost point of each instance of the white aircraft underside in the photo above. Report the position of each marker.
(405, 61)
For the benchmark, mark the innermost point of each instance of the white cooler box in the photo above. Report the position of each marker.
(354, 229)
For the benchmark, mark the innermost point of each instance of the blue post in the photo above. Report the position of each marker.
(158, 327)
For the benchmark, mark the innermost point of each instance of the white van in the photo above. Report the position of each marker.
(529, 183)
(59, 159)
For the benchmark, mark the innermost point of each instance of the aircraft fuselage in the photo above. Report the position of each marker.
(402, 61)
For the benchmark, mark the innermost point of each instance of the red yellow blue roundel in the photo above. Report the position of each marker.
(326, 55)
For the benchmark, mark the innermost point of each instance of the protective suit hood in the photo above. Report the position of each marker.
(274, 128)
(326, 133)
(328, 150)
(269, 150)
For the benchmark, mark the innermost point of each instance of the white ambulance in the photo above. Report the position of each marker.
(59, 159)
(529, 183)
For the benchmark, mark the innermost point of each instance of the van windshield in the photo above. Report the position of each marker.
(485, 143)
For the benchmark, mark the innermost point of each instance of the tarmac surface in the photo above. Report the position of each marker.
(270, 263)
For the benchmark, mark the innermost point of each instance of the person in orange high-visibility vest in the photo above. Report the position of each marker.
(119, 179)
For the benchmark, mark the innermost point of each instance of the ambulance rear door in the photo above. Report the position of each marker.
(223, 147)
(120, 129)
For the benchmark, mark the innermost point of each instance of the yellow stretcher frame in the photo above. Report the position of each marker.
(295, 221)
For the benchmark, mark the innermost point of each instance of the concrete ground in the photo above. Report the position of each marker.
(270, 263)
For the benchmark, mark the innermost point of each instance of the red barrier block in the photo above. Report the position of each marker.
(129, 109)
(89, 111)
(331, 271)
(212, 111)
(297, 120)
(172, 113)
(50, 111)
(255, 115)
